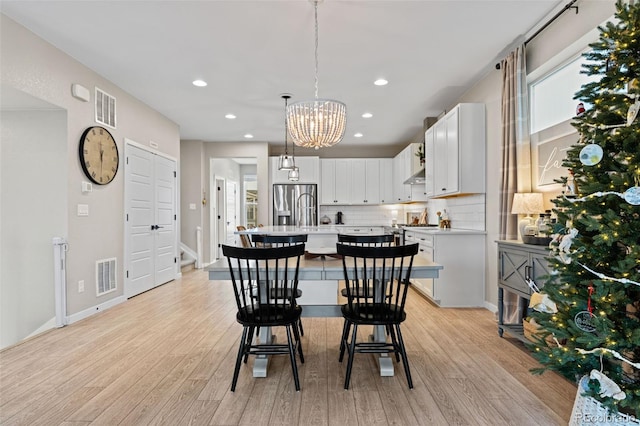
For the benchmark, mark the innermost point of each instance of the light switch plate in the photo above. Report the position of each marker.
(83, 209)
(86, 187)
(192, 206)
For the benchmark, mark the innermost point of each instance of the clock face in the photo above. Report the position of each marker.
(99, 155)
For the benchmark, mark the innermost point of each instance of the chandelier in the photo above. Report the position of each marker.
(318, 123)
(286, 161)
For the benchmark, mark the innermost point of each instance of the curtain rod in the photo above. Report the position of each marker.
(568, 6)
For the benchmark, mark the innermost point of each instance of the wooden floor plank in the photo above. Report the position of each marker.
(166, 357)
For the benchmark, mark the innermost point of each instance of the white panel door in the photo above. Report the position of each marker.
(165, 215)
(231, 212)
(139, 218)
(150, 222)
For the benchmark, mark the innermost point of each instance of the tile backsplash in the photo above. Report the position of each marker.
(467, 212)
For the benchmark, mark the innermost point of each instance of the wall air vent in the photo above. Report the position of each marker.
(105, 109)
(106, 270)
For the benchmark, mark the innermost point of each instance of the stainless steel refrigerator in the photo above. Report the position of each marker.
(295, 204)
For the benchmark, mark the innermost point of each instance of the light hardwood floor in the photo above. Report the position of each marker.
(166, 357)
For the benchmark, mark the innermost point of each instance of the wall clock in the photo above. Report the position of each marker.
(99, 155)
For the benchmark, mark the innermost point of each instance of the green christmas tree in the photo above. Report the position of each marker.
(595, 254)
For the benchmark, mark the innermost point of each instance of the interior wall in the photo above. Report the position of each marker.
(33, 66)
(192, 180)
(33, 185)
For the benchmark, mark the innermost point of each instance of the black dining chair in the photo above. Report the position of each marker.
(364, 241)
(257, 275)
(264, 240)
(389, 269)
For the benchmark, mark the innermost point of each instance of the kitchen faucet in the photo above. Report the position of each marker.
(312, 206)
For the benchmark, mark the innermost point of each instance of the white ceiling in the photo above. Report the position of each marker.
(250, 52)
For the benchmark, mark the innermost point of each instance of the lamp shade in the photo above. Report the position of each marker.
(294, 174)
(527, 203)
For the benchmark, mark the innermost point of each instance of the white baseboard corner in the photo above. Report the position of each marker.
(95, 309)
(491, 307)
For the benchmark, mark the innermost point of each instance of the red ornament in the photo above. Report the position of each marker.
(580, 109)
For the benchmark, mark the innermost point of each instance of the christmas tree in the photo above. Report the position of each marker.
(591, 320)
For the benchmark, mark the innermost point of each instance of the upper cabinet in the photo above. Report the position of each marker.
(353, 180)
(386, 181)
(308, 168)
(405, 165)
(335, 174)
(455, 152)
(365, 181)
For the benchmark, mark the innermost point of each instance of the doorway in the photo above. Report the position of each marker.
(151, 257)
(34, 205)
(227, 207)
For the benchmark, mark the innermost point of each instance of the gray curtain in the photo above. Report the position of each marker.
(516, 157)
(516, 169)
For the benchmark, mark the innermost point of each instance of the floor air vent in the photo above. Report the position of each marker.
(106, 270)
(105, 108)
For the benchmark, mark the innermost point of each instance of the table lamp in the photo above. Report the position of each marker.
(526, 203)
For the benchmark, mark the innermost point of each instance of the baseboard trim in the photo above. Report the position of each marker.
(490, 306)
(94, 310)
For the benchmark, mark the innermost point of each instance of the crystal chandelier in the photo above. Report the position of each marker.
(319, 123)
(286, 161)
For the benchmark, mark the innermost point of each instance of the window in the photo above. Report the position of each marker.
(551, 97)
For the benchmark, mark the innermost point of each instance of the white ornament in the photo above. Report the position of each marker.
(632, 196)
(564, 245)
(591, 154)
(608, 388)
(632, 113)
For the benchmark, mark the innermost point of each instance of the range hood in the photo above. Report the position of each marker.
(417, 178)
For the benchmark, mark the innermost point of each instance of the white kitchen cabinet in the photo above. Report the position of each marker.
(365, 181)
(386, 181)
(429, 151)
(401, 172)
(462, 255)
(455, 152)
(334, 178)
(309, 170)
(362, 230)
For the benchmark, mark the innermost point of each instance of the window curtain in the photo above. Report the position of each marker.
(516, 154)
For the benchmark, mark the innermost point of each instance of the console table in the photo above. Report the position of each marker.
(517, 262)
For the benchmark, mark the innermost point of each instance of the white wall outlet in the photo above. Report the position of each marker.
(192, 206)
(80, 286)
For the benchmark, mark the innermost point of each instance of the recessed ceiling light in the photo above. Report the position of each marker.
(381, 82)
(248, 136)
(230, 116)
(367, 115)
(358, 135)
(199, 83)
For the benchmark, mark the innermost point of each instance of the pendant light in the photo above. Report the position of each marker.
(318, 123)
(286, 161)
(294, 174)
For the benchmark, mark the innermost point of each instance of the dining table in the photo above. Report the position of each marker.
(319, 276)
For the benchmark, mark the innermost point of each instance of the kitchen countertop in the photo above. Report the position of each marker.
(336, 229)
(316, 230)
(443, 231)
